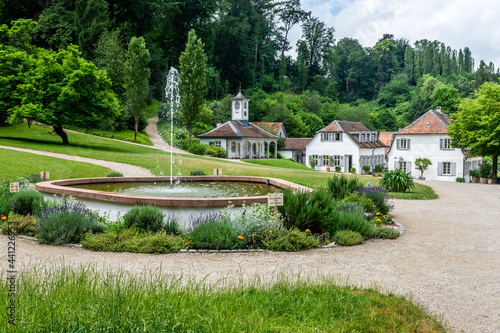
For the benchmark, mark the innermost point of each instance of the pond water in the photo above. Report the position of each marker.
(199, 189)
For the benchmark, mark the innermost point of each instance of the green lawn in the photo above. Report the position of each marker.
(40, 138)
(18, 164)
(279, 163)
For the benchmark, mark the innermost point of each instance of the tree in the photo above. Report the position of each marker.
(447, 97)
(64, 88)
(422, 164)
(110, 55)
(482, 75)
(193, 84)
(56, 25)
(476, 125)
(91, 19)
(137, 78)
(318, 38)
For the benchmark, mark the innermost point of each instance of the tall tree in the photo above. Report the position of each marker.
(91, 19)
(193, 84)
(476, 125)
(482, 75)
(56, 26)
(137, 78)
(318, 38)
(111, 55)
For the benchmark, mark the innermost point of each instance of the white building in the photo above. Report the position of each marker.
(239, 137)
(351, 144)
(427, 137)
(295, 148)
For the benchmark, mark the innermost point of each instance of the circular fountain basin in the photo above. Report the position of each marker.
(98, 193)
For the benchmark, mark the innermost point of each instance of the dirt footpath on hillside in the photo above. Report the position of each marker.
(448, 260)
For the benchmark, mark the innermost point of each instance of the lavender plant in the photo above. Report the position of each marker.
(212, 231)
(380, 198)
(66, 223)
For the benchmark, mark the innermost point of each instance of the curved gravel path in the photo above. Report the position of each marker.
(127, 170)
(448, 260)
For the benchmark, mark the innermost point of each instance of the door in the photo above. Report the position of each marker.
(347, 163)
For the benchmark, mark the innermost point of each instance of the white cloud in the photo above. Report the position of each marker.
(457, 23)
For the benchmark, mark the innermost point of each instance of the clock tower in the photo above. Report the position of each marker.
(239, 107)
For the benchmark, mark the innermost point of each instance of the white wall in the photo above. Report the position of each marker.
(206, 141)
(428, 146)
(342, 148)
(286, 153)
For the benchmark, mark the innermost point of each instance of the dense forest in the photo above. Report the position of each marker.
(385, 86)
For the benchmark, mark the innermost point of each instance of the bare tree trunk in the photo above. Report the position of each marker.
(136, 128)
(64, 136)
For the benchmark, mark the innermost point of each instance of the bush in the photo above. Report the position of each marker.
(352, 170)
(254, 223)
(290, 241)
(114, 174)
(460, 180)
(348, 238)
(397, 181)
(384, 232)
(485, 169)
(212, 231)
(28, 202)
(379, 196)
(215, 151)
(197, 173)
(366, 168)
(171, 225)
(362, 200)
(340, 186)
(64, 223)
(133, 240)
(197, 148)
(337, 169)
(351, 216)
(34, 178)
(148, 218)
(303, 211)
(379, 168)
(6, 202)
(23, 225)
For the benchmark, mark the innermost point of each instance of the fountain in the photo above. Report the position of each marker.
(173, 98)
(98, 193)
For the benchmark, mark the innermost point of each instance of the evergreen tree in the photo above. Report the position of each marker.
(193, 85)
(91, 19)
(137, 78)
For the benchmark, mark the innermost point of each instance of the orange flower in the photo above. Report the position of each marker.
(377, 214)
(4, 217)
(378, 220)
(307, 230)
(240, 237)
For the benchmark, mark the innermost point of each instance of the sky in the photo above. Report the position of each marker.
(457, 23)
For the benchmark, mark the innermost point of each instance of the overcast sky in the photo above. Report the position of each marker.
(457, 23)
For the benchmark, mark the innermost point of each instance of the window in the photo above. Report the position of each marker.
(337, 160)
(403, 144)
(362, 138)
(445, 144)
(374, 137)
(214, 143)
(325, 160)
(233, 147)
(338, 136)
(402, 166)
(446, 169)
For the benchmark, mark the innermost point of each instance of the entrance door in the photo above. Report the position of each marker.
(347, 163)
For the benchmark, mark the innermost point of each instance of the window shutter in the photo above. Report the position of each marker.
(396, 165)
(440, 168)
(453, 169)
(441, 144)
(408, 144)
(398, 144)
(408, 167)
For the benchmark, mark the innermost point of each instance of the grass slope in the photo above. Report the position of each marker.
(158, 161)
(19, 164)
(280, 163)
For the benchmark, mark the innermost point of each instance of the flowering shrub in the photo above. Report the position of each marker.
(290, 241)
(28, 202)
(148, 218)
(212, 231)
(361, 200)
(348, 238)
(254, 223)
(380, 219)
(380, 198)
(66, 223)
(352, 217)
(23, 225)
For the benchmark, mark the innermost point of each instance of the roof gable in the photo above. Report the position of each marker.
(233, 129)
(431, 122)
(272, 127)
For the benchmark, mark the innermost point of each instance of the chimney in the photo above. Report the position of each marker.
(438, 109)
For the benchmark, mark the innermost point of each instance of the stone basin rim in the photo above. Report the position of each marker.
(63, 187)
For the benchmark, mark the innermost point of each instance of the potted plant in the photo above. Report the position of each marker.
(366, 169)
(352, 170)
(313, 162)
(422, 164)
(337, 169)
(485, 170)
(331, 162)
(474, 174)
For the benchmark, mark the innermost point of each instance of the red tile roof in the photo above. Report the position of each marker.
(333, 127)
(269, 126)
(386, 138)
(352, 126)
(432, 122)
(296, 143)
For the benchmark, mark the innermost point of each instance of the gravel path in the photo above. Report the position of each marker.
(157, 140)
(448, 260)
(127, 170)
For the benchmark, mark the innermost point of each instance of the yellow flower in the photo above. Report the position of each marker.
(307, 230)
(4, 218)
(378, 213)
(240, 237)
(378, 220)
